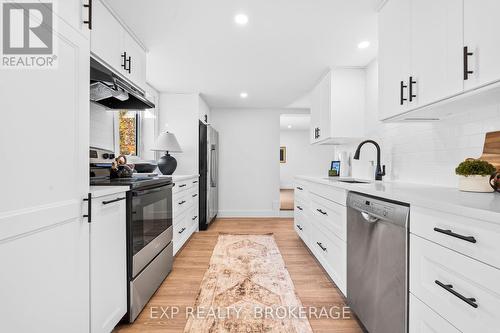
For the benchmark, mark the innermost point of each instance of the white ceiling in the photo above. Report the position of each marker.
(299, 122)
(195, 46)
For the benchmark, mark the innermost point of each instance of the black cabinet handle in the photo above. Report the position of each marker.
(129, 69)
(300, 188)
(300, 208)
(194, 195)
(182, 230)
(183, 185)
(195, 181)
(194, 218)
(466, 63)
(321, 211)
(88, 22)
(410, 93)
(402, 87)
(469, 239)
(449, 288)
(182, 202)
(89, 207)
(299, 227)
(321, 246)
(319, 132)
(126, 60)
(114, 200)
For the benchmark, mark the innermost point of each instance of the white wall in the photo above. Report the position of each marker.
(425, 152)
(249, 170)
(302, 158)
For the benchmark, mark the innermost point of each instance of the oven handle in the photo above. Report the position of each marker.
(138, 193)
(114, 200)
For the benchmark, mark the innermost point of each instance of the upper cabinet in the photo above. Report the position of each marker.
(337, 107)
(432, 51)
(112, 44)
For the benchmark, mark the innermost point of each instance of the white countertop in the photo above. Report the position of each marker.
(100, 191)
(483, 206)
(178, 178)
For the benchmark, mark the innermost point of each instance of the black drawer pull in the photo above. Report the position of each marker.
(182, 230)
(194, 218)
(182, 202)
(411, 95)
(114, 200)
(89, 19)
(299, 227)
(466, 63)
(402, 87)
(300, 208)
(183, 185)
(321, 246)
(194, 195)
(195, 181)
(322, 212)
(300, 188)
(469, 239)
(449, 288)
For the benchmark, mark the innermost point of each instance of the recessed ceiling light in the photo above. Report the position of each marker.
(241, 19)
(289, 126)
(243, 95)
(363, 44)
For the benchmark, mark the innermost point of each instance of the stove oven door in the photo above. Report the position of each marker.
(150, 225)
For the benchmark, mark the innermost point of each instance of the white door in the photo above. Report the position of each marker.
(394, 58)
(44, 280)
(106, 36)
(108, 259)
(436, 50)
(136, 67)
(481, 27)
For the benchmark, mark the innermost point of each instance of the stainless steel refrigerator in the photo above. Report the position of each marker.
(209, 174)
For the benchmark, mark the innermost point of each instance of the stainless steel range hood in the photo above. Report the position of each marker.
(110, 90)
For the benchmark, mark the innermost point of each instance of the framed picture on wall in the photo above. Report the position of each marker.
(282, 154)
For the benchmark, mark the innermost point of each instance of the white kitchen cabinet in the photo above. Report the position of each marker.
(423, 320)
(337, 107)
(185, 210)
(44, 239)
(73, 12)
(112, 44)
(108, 262)
(106, 39)
(481, 26)
(436, 57)
(394, 57)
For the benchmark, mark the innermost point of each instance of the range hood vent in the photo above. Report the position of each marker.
(113, 92)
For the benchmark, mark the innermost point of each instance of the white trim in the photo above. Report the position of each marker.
(287, 213)
(247, 213)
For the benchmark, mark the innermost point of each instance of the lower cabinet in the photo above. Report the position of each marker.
(185, 211)
(320, 221)
(424, 320)
(108, 262)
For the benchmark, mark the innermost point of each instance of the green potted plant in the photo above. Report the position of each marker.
(475, 175)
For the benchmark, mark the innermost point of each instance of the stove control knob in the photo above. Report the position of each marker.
(105, 156)
(111, 156)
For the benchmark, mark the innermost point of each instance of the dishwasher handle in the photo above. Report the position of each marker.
(369, 218)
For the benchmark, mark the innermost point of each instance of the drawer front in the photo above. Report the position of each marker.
(474, 238)
(182, 185)
(300, 192)
(301, 226)
(331, 253)
(181, 203)
(330, 215)
(445, 280)
(424, 320)
(181, 228)
(331, 193)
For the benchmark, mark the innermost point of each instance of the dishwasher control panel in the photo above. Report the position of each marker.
(378, 207)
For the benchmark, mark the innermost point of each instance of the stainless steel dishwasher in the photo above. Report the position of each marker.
(377, 262)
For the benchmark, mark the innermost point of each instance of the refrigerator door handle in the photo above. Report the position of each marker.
(212, 166)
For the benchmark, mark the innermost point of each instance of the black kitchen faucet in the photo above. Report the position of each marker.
(380, 169)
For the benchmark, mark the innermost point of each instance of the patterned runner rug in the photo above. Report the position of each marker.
(247, 289)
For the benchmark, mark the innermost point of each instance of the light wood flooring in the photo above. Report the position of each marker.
(286, 199)
(181, 286)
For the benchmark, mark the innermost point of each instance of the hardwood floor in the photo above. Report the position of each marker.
(181, 287)
(286, 199)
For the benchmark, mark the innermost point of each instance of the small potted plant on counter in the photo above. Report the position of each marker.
(475, 175)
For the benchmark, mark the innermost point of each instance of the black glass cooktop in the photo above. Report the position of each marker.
(135, 182)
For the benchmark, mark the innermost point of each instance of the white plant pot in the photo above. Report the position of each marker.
(475, 183)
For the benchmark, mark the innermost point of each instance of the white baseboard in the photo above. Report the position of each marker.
(286, 213)
(248, 213)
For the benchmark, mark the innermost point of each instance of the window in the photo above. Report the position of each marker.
(128, 122)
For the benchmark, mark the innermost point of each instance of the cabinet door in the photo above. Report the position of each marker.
(108, 260)
(481, 27)
(315, 112)
(136, 70)
(325, 107)
(436, 50)
(73, 12)
(44, 281)
(106, 36)
(394, 57)
(424, 320)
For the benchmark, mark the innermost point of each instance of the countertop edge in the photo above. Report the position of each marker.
(101, 191)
